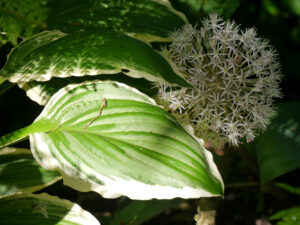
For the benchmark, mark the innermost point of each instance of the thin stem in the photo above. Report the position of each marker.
(21, 134)
(242, 184)
(99, 113)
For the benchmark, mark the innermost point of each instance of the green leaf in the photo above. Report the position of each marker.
(144, 19)
(200, 8)
(138, 212)
(20, 19)
(289, 188)
(22, 134)
(280, 144)
(55, 54)
(30, 209)
(288, 217)
(2, 80)
(19, 172)
(134, 148)
(41, 92)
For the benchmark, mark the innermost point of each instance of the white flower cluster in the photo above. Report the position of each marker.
(235, 75)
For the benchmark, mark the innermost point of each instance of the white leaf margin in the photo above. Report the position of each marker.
(111, 188)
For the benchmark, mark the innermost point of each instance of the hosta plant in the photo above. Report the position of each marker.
(122, 118)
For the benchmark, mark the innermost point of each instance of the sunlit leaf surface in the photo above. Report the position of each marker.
(55, 54)
(134, 148)
(144, 19)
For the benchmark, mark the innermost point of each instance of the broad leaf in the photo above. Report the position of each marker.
(144, 19)
(138, 212)
(41, 92)
(30, 209)
(19, 172)
(277, 149)
(55, 54)
(134, 148)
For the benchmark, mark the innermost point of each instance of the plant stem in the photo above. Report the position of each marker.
(21, 134)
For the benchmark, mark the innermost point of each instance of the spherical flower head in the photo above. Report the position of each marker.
(235, 77)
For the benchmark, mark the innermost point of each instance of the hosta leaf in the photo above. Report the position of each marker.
(30, 209)
(145, 19)
(55, 54)
(19, 172)
(134, 148)
(41, 92)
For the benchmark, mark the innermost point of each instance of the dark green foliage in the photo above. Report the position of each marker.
(21, 18)
(288, 217)
(148, 18)
(137, 212)
(279, 144)
(199, 8)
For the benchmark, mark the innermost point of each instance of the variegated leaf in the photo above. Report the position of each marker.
(134, 148)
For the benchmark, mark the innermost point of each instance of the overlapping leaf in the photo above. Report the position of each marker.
(144, 19)
(134, 148)
(30, 209)
(19, 172)
(55, 54)
(41, 92)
